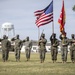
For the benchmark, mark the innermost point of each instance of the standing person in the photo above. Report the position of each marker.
(28, 46)
(42, 47)
(64, 46)
(17, 47)
(72, 48)
(54, 47)
(6, 45)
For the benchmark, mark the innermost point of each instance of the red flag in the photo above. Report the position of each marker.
(44, 16)
(61, 20)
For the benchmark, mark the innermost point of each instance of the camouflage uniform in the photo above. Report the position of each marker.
(6, 45)
(64, 47)
(42, 49)
(28, 46)
(17, 48)
(72, 48)
(54, 47)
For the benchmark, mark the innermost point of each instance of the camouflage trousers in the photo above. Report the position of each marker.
(42, 55)
(28, 52)
(5, 55)
(72, 53)
(17, 54)
(54, 52)
(64, 51)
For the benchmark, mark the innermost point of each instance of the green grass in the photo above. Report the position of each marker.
(34, 67)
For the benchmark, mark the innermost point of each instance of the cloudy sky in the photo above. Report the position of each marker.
(21, 14)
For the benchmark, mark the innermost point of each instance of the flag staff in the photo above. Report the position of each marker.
(53, 27)
(38, 33)
(53, 22)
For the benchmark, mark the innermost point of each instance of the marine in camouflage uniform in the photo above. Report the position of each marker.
(6, 45)
(64, 46)
(28, 46)
(17, 48)
(42, 47)
(54, 47)
(72, 48)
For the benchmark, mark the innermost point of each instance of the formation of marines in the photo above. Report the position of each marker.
(6, 47)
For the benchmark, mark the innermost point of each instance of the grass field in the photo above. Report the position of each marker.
(34, 67)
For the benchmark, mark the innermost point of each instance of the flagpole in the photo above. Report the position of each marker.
(53, 27)
(53, 22)
(38, 33)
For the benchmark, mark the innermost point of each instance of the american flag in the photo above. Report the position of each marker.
(44, 16)
(38, 13)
